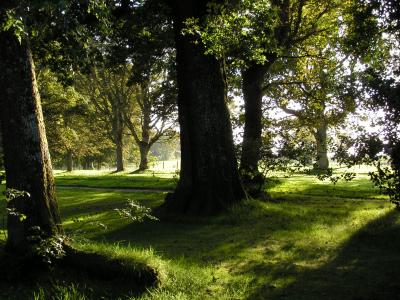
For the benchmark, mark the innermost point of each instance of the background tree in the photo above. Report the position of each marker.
(74, 133)
(167, 148)
(287, 146)
(111, 97)
(317, 91)
(297, 23)
(151, 115)
(255, 35)
(142, 36)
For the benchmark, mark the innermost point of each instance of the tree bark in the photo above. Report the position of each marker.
(209, 180)
(119, 147)
(69, 161)
(252, 86)
(144, 144)
(27, 159)
(320, 135)
(120, 157)
(144, 152)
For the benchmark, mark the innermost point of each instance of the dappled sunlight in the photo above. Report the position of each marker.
(271, 243)
(263, 249)
(274, 241)
(310, 185)
(284, 253)
(350, 255)
(117, 180)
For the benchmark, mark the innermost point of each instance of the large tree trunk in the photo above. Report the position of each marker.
(120, 157)
(320, 135)
(69, 161)
(252, 87)
(144, 152)
(27, 160)
(119, 147)
(144, 144)
(209, 180)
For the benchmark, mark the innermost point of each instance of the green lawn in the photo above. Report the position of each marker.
(307, 185)
(149, 180)
(360, 187)
(311, 242)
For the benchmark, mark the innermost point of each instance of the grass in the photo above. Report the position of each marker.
(148, 180)
(308, 185)
(360, 187)
(311, 242)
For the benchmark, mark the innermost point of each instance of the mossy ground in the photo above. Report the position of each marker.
(312, 241)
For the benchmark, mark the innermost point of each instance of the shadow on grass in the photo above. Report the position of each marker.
(367, 267)
(75, 203)
(275, 245)
(88, 276)
(255, 224)
(272, 182)
(116, 172)
(295, 248)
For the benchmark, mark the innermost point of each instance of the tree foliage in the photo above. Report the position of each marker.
(72, 125)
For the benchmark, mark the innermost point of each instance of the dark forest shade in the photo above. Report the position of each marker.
(27, 160)
(209, 180)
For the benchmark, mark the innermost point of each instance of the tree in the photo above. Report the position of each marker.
(73, 132)
(374, 38)
(26, 156)
(253, 75)
(298, 22)
(317, 91)
(153, 116)
(111, 97)
(254, 36)
(142, 37)
(209, 180)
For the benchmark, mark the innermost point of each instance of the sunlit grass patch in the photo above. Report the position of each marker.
(360, 187)
(148, 180)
